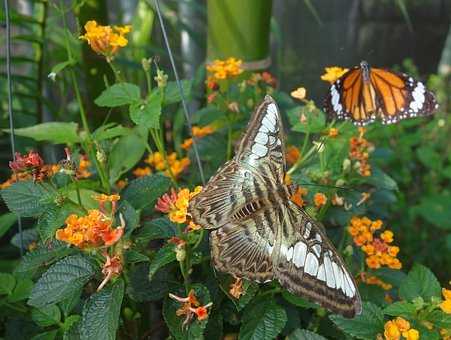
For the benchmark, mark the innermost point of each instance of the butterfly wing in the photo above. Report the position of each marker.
(383, 94)
(401, 96)
(259, 164)
(308, 265)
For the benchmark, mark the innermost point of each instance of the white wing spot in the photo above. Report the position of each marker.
(329, 272)
(311, 264)
(321, 273)
(338, 274)
(290, 254)
(261, 138)
(299, 253)
(259, 150)
(317, 249)
(270, 125)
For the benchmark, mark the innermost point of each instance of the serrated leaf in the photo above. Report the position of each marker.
(164, 256)
(159, 228)
(132, 256)
(54, 218)
(264, 319)
(46, 316)
(125, 154)
(26, 198)
(140, 289)
(148, 112)
(400, 308)
(100, 316)
(43, 255)
(249, 291)
(172, 93)
(364, 326)
(303, 334)
(50, 335)
(130, 215)
(61, 280)
(54, 132)
(68, 304)
(175, 323)
(6, 222)
(420, 281)
(21, 291)
(8, 282)
(439, 319)
(143, 192)
(118, 94)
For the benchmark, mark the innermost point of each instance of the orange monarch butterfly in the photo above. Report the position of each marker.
(363, 94)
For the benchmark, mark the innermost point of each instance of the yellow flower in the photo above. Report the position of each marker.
(387, 236)
(300, 93)
(319, 199)
(105, 40)
(391, 331)
(373, 262)
(333, 132)
(176, 204)
(106, 198)
(333, 73)
(446, 306)
(402, 324)
(224, 69)
(141, 172)
(446, 293)
(411, 334)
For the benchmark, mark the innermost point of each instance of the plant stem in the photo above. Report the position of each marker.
(116, 72)
(229, 139)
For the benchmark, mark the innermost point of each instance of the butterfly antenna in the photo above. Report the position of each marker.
(180, 87)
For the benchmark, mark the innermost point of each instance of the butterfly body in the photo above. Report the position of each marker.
(258, 233)
(364, 94)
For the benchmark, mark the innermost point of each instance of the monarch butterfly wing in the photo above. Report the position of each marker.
(401, 96)
(308, 265)
(352, 99)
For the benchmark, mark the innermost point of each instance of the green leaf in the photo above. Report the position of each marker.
(400, 308)
(132, 256)
(21, 291)
(61, 280)
(264, 319)
(143, 192)
(436, 209)
(298, 301)
(8, 282)
(46, 316)
(303, 334)
(439, 319)
(164, 256)
(54, 218)
(109, 131)
(68, 304)
(50, 335)
(54, 132)
(249, 291)
(419, 282)
(44, 255)
(140, 289)
(130, 215)
(70, 321)
(381, 180)
(100, 316)
(147, 113)
(125, 154)
(118, 95)
(312, 120)
(6, 222)
(159, 228)
(175, 323)
(172, 93)
(61, 66)
(26, 198)
(364, 326)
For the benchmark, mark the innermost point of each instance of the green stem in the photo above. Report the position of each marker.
(199, 240)
(229, 139)
(116, 72)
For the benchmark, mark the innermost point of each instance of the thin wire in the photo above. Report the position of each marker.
(182, 95)
(10, 104)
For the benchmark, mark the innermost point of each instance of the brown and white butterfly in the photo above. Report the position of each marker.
(259, 233)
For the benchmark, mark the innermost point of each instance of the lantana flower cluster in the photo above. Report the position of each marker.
(29, 167)
(197, 132)
(175, 204)
(394, 329)
(445, 305)
(190, 307)
(156, 161)
(359, 151)
(223, 69)
(94, 229)
(105, 40)
(377, 248)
